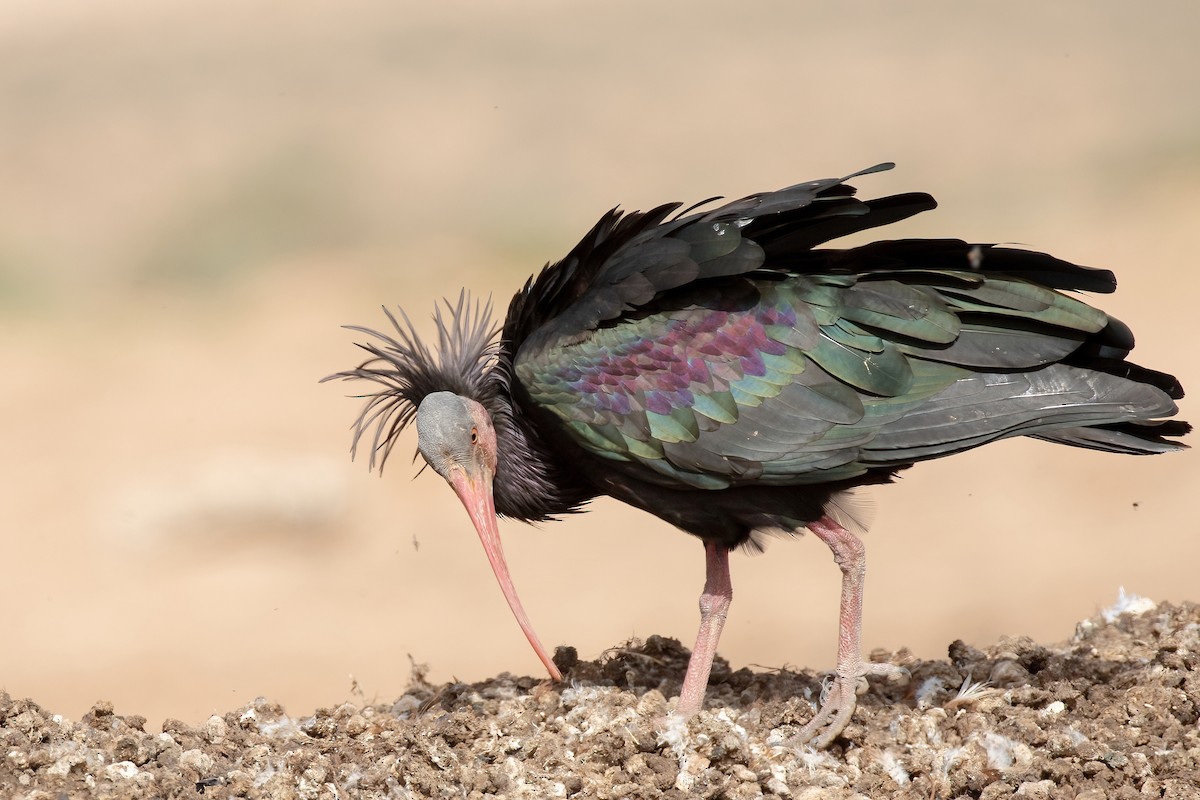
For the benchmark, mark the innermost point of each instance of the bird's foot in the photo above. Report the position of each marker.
(838, 700)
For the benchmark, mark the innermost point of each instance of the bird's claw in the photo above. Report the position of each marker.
(839, 697)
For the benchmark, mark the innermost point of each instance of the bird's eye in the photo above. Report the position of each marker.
(474, 435)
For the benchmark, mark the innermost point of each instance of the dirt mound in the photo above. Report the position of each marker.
(1111, 713)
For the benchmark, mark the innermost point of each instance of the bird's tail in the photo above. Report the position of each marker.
(1105, 352)
(1132, 438)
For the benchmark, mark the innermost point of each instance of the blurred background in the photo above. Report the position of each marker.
(195, 196)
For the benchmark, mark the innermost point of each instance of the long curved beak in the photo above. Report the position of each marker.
(475, 492)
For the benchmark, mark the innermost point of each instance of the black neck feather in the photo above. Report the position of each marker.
(532, 483)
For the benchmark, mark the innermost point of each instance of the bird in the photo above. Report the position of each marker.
(729, 373)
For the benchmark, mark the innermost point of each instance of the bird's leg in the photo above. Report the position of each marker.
(714, 606)
(838, 703)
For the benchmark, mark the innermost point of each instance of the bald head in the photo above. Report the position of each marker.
(455, 431)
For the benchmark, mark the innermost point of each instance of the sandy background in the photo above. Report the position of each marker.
(194, 196)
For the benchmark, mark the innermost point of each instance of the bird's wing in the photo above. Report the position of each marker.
(726, 350)
(821, 378)
(626, 262)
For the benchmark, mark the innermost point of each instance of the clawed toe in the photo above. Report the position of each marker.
(893, 672)
(838, 701)
(839, 697)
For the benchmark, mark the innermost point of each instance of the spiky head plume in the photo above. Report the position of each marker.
(407, 369)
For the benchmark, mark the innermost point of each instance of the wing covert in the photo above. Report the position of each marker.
(818, 378)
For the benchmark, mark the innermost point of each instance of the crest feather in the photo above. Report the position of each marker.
(407, 369)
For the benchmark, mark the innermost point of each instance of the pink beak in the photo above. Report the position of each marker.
(476, 496)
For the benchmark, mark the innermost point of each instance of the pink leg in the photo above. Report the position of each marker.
(838, 705)
(714, 606)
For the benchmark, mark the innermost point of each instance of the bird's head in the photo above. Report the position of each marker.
(456, 438)
(455, 433)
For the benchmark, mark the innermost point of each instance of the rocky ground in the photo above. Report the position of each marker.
(1110, 713)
